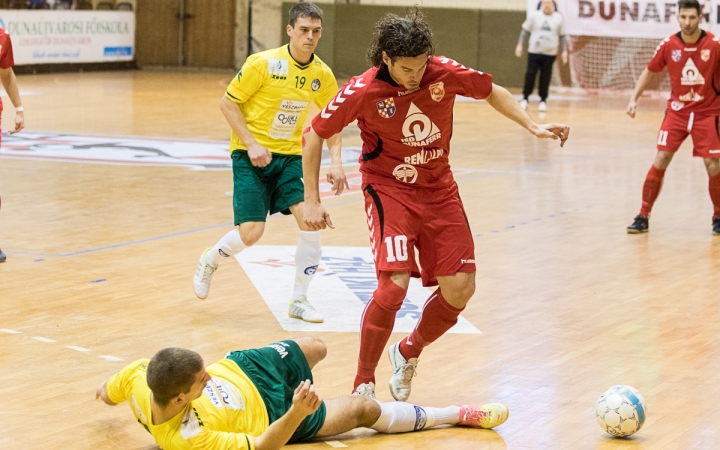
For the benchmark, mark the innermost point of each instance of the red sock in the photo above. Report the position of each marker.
(438, 316)
(651, 189)
(714, 188)
(376, 326)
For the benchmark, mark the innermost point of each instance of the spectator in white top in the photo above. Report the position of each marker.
(546, 28)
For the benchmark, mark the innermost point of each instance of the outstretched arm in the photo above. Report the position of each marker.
(305, 402)
(101, 393)
(505, 104)
(314, 214)
(647, 77)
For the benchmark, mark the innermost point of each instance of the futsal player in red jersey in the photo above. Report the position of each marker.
(404, 107)
(692, 57)
(9, 82)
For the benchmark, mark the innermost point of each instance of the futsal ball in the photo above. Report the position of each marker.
(621, 411)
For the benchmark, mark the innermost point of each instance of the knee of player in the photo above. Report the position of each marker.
(368, 411)
(319, 347)
(460, 294)
(313, 348)
(251, 236)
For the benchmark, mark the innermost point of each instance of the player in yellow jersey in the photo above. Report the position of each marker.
(261, 399)
(266, 105)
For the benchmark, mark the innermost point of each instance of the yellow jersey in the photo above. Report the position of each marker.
(273, 92)
(228, 413)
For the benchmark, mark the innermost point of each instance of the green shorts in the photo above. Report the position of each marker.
(276, 371)
(262, 190)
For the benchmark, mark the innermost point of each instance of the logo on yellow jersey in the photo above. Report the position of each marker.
(278, 68)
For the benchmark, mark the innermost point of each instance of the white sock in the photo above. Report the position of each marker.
(229, 245)
(307, 259)
(401, 417)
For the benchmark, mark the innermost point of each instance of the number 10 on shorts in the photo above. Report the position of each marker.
(396, 248)
(662, 138)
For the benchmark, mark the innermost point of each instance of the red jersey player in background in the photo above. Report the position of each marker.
(9, 82)
(692, 58)
(404, 106)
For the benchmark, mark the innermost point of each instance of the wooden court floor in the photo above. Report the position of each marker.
(567, 302)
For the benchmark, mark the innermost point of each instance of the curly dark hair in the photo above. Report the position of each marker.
(401, 37)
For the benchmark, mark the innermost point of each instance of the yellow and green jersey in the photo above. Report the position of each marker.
(273, 92)
(230, 401)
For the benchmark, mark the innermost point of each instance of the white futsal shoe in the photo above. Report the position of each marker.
(365, 390)
(203, 277)
(542, 107)
(303, 310)
(523, 104)
(404, 371)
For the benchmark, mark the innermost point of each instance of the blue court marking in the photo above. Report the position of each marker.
(461, 179)
(537, 219)
(99, 281)
(125, 244)
(157, 238)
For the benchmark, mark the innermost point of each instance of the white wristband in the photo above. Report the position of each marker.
(19, 109)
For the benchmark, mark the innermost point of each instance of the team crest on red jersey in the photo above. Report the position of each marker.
(676, 55)
(386, 108)
(437, 91)
(705, 54)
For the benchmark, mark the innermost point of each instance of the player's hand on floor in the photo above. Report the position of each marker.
(336, 177)
(553, 131)
(305, 399)
(259, 155)
(631, 108)
(315, 217)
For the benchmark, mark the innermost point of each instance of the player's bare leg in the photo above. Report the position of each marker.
(712, 165)
(313, 348)
(440, 313)
(307, 259)
(376, 326)
(346, 413)
(651, 190)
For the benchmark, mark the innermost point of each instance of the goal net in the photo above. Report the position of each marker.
(600, 63)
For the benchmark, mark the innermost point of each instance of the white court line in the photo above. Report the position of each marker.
(79, 349)
(5, 330)
(336, 444)
(71, 347)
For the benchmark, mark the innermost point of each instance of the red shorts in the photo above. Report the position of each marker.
(431, 220)
(702, 127)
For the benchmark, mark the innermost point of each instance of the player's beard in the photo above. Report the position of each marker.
(690, 30)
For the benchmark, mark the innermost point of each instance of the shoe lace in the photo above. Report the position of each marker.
(409, 370)
(304, 303)
(365, 390)
(208, 271)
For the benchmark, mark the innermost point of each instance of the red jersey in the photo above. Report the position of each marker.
(694, 73)
(6, 52)
(405, 133)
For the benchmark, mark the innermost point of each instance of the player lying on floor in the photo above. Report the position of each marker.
(261, 399)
